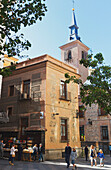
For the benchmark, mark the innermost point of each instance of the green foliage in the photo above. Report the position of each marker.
(15, 14)
(98, 91)
(7, 70)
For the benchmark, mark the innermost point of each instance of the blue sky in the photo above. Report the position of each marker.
(94, 21)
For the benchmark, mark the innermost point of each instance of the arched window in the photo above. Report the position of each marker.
(69, 55)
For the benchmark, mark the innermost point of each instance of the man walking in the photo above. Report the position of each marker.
(1, 148)
(67, 154)
(86, 152)
(40, 152)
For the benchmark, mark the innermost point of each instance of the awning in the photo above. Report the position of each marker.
(8, 129)
(35, 128)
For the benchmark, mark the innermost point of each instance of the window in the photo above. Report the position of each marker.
(26, 87)
(11, 90)
(84, 55)
(81, 112)
(69, 55)
(24, 125)
(104, 132)
(9, 111)
(82, 133)
(101, 112)
(63, 129)
(63, 88)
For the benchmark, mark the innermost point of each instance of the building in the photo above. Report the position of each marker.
(41, 107)
(8, 60)
(95, 126)
(4, 62)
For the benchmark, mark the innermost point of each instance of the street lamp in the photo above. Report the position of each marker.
(89, 121)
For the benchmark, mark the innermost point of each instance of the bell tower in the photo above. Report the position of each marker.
(75, 49)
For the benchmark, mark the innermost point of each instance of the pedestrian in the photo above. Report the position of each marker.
(73, 157)
(101, 157)
(86, 152)
(67, 154)
(1, 148)
(93, 155)
(12, 155)
(40, 152)
(35, 152)
(110, 149)
(20, 151)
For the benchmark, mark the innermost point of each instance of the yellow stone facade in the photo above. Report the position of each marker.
(8, 60)
(55, 71)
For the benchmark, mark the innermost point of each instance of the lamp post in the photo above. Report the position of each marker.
(89, 121)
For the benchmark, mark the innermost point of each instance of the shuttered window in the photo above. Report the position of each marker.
(104, 132)
(11, 90)
(63, 90)
(26, 87)
(63, 129)
(101, 112)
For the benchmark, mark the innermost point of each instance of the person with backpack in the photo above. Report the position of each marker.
(93, 155)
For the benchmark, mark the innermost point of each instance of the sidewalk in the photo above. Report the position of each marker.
(82, 164)
(53, 165)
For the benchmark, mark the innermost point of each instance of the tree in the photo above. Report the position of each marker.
(13, 15)
(97, 90)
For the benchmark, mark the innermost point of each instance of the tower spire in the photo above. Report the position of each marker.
(74, 28)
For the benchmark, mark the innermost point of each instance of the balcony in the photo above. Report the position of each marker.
(64, 95)
(24, 96)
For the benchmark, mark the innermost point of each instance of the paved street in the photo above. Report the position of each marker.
(53, 165)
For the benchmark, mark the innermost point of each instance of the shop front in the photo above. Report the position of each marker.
(35, 135)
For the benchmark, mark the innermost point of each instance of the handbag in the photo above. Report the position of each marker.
(13, 155)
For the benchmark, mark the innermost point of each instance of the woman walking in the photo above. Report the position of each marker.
(93, 155)
(12, 155)
(101, 157)
(73, 157)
